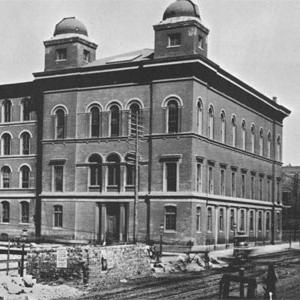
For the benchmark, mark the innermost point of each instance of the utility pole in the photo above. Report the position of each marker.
(135, 130)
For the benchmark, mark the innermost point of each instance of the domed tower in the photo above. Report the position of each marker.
(181, 31)
(69, 47)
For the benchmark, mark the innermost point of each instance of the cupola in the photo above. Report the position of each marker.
(69, 47)
(181, 31)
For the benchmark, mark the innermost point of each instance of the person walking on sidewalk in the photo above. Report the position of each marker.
(269, 281)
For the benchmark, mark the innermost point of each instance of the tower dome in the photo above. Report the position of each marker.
(182, 8)
(70, 25)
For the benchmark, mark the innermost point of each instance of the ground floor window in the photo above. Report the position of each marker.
(5, 212)
(170, 218)
(198, 219)
(58, 216)
(209, 219)
(24, 212)
(260, 221)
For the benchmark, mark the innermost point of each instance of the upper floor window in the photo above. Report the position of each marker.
(242, 220)
(209, 219)
(24, 212)
(114, 120)
(130, 170)
(5, 212)
(95, 162)
(222, 182)
(232, 220)
(244, 135)
(199, 117)
(95, 121)
(251, 220)
(252, 187)
(201, 41)
(58, 216)
(170, 217)
(269, 145)
(61, 54)
(199, 177)
(6, 177)
(113, 171)
(233, 123)
(171, 176)
(86, 55)
(174, 40)
(243, 187)
(173, 116)
(268, 220)
(210, 180)
(58, 178)
(6, 144)
(261, 142)
(260, 188)
(25, 143)
(221, 219)
(26, 109)
(6, 107)
(198, 219)
(135, 119)
(25, 177)
(278, 148)
(269, 193)
(252, 138)
(60, 124)
(223, 127)
(233, 184)
(211, 122)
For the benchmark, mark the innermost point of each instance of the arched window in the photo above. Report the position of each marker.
(173, 116)
(113, 179)
(95, 171)
(25, 177)
(135, 111)
(6, 111)
(211, 122)
(269, 145)
(278, 148)
(114, 120)
(130, 170)
(26, 110)
(24, 212)
(60, 124)
(6, 144)
(252, 138)
(5, 212)
(223, 127)
(261, 142)
(25, 143)
(244, 135)
(199, 117)
(6, 174)
(58, 216)
(233, 123)
(95, 121)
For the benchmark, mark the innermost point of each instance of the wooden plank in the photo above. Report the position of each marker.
(2, 261)
(13, 251)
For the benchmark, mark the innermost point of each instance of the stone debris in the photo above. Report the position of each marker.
(26, 288)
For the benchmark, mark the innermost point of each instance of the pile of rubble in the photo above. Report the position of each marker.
(187, 263)
(26, 288)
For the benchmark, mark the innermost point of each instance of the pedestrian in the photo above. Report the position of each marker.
(270, 280)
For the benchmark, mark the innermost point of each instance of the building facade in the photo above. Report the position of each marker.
(209, 146)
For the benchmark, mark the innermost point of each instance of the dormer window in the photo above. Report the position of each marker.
(61, 54)
(201, 42)
(174, 40)
(86, 55)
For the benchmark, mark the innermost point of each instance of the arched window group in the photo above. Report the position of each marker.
(24, 177)
(24, 210)
(24, 140)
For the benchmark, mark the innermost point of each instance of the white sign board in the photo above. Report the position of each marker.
(62, 258)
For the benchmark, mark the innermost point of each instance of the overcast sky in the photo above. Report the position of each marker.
(256, 40)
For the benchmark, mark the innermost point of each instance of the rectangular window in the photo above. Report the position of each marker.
(130, 177)
(251, 221)
(221, 219)
(242, 220)
(243, 187)
(171, 176)
(233, 185)
(259, 220)
(260, 189)
(268, 221)
(58, 216)
(198, 219)
(170, 218)
(199, 177)
(232, 220)
(24, 212)
(86, 55)
(269, 189)
(222, 182)
(278, 221)
(210, 181)
(61, 54)
(209, 219)
(201, 42)
(252, 193)
(174, 40)
(278, 191)
(58, 178)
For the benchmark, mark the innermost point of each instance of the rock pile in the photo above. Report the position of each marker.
(26, 288)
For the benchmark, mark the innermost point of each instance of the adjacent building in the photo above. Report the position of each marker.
(209, 148)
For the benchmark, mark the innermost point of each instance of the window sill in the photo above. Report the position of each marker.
(60, 60)
(25, 224)
(173, 46)
(4, 223)
(57, 228)
(170, 231)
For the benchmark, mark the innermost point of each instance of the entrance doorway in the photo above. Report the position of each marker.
(113, 224)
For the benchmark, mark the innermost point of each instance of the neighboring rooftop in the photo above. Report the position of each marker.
(70, 25)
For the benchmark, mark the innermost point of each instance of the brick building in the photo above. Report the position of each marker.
(210, 151)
